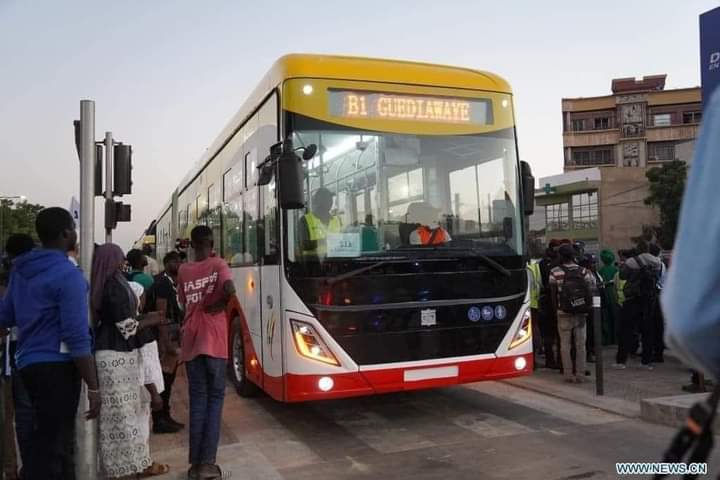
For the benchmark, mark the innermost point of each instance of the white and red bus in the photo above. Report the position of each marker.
(342, 299)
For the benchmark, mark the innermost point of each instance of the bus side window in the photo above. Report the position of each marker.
(269, 234)
(250, 208)
(233, 225)
(214, 215)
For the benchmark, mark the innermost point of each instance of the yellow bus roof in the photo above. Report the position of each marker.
(296, 65)
(384, 70)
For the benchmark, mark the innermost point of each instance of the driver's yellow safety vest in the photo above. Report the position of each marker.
(317, 230)
(535, 284)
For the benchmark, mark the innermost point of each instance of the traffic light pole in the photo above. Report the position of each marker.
(109, 150)
(86, 430)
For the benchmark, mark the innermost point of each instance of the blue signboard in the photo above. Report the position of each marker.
(710, 52)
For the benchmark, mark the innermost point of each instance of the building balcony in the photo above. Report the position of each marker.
(672, 132)
(589, 138)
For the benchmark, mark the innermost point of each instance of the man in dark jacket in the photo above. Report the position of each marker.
(162, 297)
(641, 273)
(47, 301)
(547, 314)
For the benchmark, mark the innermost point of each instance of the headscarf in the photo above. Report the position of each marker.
(608, 269)
(106, 262)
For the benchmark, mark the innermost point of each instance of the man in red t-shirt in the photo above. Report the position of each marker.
(204, 288)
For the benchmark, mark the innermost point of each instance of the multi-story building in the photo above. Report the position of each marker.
(609, 142)
(639, 125)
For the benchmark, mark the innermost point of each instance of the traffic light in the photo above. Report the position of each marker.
(116, 212)
(98, 170)
(110, 217)
(122, 212)
(122, 170)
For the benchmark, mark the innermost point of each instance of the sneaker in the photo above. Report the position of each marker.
(619, 366)
(648, 366)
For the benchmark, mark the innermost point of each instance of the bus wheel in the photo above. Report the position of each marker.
(243, 386)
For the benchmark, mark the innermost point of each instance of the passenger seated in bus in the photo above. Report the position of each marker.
(317, 223)
(428, 230)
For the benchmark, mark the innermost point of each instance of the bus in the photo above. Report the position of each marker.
(373, 214)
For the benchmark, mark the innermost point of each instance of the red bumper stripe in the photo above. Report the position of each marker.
(305, 387)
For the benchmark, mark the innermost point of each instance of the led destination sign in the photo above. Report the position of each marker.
(388, 106)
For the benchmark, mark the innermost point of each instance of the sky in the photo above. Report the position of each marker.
(166, 76)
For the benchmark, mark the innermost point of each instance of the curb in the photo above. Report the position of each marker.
(672, 411)
(615, 406)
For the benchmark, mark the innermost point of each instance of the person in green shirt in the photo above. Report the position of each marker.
(137, 261)
(608, 272)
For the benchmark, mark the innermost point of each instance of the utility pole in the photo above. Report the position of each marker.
(86, 430)
(118, 181)
(109, 150)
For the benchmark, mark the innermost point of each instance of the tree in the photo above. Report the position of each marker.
(17, 218)
(667, 185)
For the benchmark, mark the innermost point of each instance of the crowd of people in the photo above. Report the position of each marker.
(563, 283)
(126, 340)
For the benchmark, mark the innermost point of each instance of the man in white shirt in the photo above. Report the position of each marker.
(152, 268)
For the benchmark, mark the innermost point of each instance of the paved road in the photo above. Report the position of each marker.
(485, 430)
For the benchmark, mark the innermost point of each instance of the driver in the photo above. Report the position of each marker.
(317, 223)
(428, 231)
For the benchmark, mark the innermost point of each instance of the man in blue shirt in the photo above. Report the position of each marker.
(47, 301)
(691, 296)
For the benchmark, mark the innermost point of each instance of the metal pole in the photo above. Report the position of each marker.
(2, 225)
(109, 151)
(597, 329)
(86, 431)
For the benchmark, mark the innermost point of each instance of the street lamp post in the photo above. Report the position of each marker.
(2, 217)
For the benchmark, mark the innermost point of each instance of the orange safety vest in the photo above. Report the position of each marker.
(432, 236)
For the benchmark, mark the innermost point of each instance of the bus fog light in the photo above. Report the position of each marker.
(520, 363)
(326, 384)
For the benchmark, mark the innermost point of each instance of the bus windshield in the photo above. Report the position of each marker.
(372, 195)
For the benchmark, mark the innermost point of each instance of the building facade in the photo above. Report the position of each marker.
(639, 125)
(609, 143)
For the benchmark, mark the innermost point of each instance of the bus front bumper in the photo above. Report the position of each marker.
(369, 381)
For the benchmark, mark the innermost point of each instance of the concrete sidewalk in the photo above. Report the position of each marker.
(654, 395)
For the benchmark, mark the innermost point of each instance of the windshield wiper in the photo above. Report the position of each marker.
(472, 252)
(492, 263)
(488, 261)
(344, 276)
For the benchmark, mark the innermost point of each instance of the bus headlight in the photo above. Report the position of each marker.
(309, 344)
(524, 331)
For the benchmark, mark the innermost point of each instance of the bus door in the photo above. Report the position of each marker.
(269, 252)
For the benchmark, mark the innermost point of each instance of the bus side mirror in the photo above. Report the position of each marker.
(528, 188)
(290, 181)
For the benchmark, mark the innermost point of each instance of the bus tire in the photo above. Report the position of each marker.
(236, 367)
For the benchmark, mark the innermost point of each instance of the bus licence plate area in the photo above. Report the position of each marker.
(419, 374)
